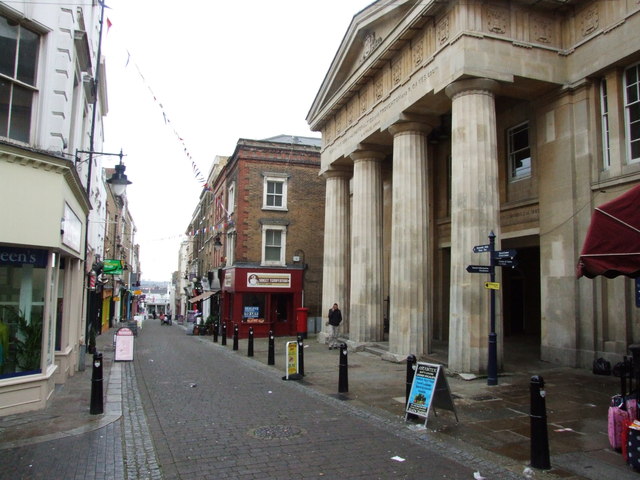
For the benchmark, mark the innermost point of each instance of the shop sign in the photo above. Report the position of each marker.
(124, 345)
(112, 267)
(429, 389)
(71, 229)
(23, 256)
(292, 359)
(268, 280)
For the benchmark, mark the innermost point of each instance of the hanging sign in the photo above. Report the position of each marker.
(112, 266)
(124, 345)
(429, 389)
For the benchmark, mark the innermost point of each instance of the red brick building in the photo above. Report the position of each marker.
(272, 204)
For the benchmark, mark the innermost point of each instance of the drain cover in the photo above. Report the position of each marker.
(270, 432)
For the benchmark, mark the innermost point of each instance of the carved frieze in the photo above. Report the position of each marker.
(379, 87)
(396, 71)
(497, 20)
(589, 20)
(417, 51)
(364, 98)
(442, 31)
(351, 112)
(340, 122)
(541, 29)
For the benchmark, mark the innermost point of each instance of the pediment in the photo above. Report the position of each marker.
(369, 35)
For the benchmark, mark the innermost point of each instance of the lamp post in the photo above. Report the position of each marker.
(119, 180)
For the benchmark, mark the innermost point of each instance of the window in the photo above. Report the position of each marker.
(231, 248)
(273, 241)
(18, 61)
(231, 198)
(519, 152)
(604, 121)
(632, 111)
(275, 192)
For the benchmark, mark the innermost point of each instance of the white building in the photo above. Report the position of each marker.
(48, 111)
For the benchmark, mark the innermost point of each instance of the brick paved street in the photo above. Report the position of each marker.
(216, 414)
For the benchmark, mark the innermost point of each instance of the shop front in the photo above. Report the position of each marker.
(263, 298)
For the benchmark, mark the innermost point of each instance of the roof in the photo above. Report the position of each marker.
(292, 139)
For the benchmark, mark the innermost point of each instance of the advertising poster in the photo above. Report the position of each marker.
(422, 389)
(292, 359)
(124, 345)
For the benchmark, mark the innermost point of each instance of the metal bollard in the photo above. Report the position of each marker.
(539, 437)
(411, 371)
(235, 336)
(97, 400)
(300, 356)
(250, 343)
(271, 358)
(224, 333)
(343, 380)
(216, 325)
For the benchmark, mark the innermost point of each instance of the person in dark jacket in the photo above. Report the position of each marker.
(335, 318)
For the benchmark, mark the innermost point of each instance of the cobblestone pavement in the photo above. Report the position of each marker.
(214, 414)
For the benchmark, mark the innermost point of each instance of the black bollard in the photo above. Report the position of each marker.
(343, 380)
(235, 336)
(250, 347)
(300, 356)
(539, 437)
(224, 333)
(97, 400)
(271, 358)
(215, 332)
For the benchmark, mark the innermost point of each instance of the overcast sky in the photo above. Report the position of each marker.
(200, 74)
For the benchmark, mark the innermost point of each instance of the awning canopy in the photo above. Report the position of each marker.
(202, 296)
(612, 245)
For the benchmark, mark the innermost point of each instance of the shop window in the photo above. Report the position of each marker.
(19, 47)
(275, 192)
(273, 241)
(632, 111)
(604, 125)
(519, 151)
(22, 293)
(253, 308)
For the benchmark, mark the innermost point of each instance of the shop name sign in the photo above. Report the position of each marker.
(112, 267)
(23, 256)
(268, 280)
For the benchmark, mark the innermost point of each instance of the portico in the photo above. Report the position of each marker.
(436, 118)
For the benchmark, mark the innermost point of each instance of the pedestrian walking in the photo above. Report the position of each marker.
(335, 318)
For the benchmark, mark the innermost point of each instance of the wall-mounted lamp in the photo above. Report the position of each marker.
(118, 180)
(217, 244)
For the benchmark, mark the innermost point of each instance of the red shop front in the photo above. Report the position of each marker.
(263, 298)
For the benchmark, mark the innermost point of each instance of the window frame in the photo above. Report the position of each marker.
(15, 82)
(635, 122)
(283, 243)
(274, 178)
(511, 152)
(604, 125)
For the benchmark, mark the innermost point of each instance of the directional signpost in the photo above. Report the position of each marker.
(498, 258)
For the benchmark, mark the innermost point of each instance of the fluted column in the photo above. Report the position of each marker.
(475, 212)
(337, 232)
(409, 276)
(366, 311)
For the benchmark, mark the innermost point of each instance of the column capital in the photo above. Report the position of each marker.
(337, 172)
(417, 127)
(469, 85)
(368, 155)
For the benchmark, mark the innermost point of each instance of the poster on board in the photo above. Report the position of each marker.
(429, 389)
(124, 345)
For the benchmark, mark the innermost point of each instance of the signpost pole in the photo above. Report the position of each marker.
(492, 368)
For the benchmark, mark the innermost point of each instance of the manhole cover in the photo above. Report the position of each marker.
(270, 432)
(483, 398)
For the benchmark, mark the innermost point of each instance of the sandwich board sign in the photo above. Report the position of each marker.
(429, 389)
(291, 362)
(124, 345)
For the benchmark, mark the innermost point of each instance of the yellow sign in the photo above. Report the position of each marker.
(292, 358)
(137, 292)
(492, 285)
(116, 299)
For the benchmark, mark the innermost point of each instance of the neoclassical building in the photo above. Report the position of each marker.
(444, 121)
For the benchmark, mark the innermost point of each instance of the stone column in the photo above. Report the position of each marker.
(409, 276)
(475, 212)
(366, 310)
(335, 277)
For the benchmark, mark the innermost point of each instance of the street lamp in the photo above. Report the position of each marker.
(118, 180)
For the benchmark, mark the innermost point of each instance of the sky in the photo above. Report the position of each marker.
(186, 80)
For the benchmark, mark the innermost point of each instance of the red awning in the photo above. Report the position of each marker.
(612, 244)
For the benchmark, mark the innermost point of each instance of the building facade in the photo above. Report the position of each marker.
(446, 121)
(260, 227)
(48, 70)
